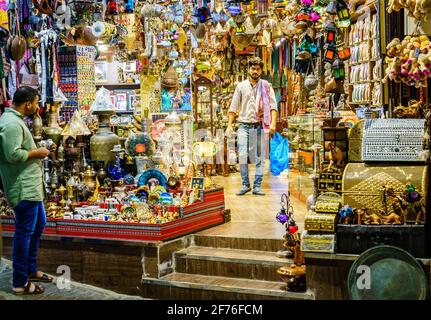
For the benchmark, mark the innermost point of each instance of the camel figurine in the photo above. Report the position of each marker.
(336, 156)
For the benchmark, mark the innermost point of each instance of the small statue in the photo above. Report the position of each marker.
(336, 156)
(371, 218)
(392, 218)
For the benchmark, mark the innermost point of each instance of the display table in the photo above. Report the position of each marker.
(194, 217)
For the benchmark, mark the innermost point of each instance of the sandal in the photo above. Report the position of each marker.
(44, 278)
(29, 288)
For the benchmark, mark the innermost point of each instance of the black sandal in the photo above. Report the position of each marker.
(29, 288)
(44, 278)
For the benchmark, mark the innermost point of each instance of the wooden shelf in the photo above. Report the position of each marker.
(113, 86)
(371, 6)
(356, 102)
(352, 64)
(124, 112)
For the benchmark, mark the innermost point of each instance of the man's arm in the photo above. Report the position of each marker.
(12, 144)
(274, 110)
(234, 106)
(12, 138)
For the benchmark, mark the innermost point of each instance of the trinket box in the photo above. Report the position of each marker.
(317, 242)
(392, 139)
(320, 222)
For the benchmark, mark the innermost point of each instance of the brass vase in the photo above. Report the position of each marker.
(37, 127)
(104, 140)
(53, 130)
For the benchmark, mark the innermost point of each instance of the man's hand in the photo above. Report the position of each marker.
(38, 153)
(272, 129)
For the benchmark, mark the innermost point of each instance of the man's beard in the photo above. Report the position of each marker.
(255, 76)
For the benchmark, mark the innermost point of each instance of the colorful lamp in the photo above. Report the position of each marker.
(338, 70)
(343, 52)
(343, 15)
(330, 33)
(330, 53)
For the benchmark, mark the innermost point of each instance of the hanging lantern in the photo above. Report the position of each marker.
(343, 52)
(112, 7)
(314, 16)
(332, 7)
(338, 70)
(330, 33)
(282, 216)
(343, 15)
(330, 53)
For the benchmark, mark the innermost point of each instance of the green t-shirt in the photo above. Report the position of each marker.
(22, 178)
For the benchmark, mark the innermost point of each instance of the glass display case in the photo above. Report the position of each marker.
(303, 131)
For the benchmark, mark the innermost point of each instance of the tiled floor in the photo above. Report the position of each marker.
(254, 216)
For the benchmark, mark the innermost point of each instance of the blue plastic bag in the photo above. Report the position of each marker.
(279, 155)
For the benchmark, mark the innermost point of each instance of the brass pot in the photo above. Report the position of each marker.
(104, 140)
(294, 277)
(53, 130)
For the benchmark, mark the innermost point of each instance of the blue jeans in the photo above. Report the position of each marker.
(30, 220)
(250, 147)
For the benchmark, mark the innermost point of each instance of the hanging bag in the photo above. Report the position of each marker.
(279, 155)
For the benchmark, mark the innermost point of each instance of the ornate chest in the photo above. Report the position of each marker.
(320, 222)
(317, 242)
(366, 186)
(392, 139)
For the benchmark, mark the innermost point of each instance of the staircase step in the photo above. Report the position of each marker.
(183, 286)
(234, 263)
(272, 245)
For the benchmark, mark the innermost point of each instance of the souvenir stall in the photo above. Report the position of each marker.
(125, 162)
(369, 172)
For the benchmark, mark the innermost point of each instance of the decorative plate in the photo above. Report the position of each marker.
(387, 273)
(156, 176)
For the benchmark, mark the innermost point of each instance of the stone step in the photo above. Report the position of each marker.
(233, 263)
(182, 286)
(272, 245)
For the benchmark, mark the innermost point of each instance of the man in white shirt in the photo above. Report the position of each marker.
(256, 107)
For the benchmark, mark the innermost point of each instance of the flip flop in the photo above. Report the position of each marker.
(44, 278)
(29, 288)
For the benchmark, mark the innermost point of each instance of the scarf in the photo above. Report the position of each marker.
(262, 99)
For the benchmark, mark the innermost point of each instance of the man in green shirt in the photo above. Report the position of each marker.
(22, 176)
